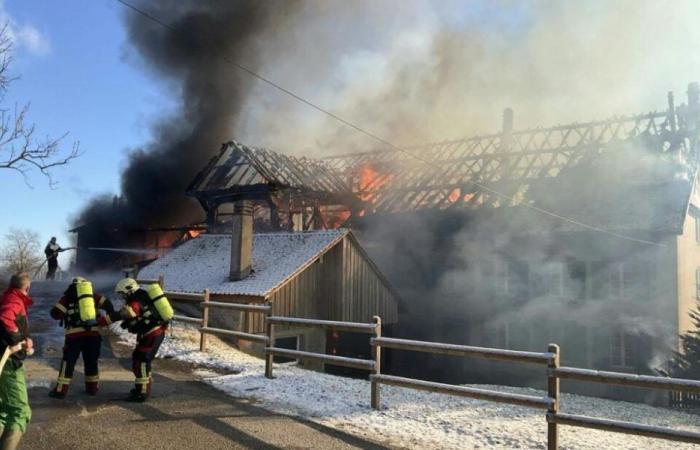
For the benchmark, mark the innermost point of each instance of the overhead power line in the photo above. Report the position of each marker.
(390, 144)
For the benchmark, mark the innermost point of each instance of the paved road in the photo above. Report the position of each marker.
(183, 413)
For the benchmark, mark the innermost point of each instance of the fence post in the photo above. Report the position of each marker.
(270, 333)
(553, 392)
(377, 356)
(205, 322)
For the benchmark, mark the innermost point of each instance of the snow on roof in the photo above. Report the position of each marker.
(203, 262)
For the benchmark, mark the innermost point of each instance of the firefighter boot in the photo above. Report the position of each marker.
(140, 393)
(10, 439)
(91, 387)
(60, 391)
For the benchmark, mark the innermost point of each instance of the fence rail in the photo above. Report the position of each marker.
(680, 389)
(237, 306)
(354, 363)
(627, 379)
(463, 350)
(238, 334)
(354, 327)
(371, 365)
(185, 296)
(187, 319)
(464, 391)
(618, 426)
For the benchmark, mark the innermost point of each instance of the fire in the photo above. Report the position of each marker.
(454, 195)
(370, 181)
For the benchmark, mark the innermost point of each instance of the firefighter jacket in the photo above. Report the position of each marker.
(139, 315)
(14, 324)
(67, 311)
(51, 251)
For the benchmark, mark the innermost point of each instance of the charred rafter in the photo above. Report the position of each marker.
(448, 174)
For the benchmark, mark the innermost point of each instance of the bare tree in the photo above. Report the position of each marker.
(20, 149)
(21, 251)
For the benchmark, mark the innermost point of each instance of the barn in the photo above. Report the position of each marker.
(315, 274)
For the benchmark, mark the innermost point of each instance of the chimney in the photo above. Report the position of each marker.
(241, 240)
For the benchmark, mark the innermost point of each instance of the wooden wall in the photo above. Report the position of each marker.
(340, 285)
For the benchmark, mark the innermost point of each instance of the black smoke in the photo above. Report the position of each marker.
(192, 54)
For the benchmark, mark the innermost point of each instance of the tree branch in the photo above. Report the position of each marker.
(20, 150)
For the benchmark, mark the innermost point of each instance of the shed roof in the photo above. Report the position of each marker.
(203, 262)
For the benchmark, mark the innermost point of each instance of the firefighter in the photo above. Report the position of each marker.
(51, 251)
(77, 311)
(146, 312)
(15, 341)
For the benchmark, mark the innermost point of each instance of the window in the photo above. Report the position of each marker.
(290, 343)
(622, 349)
(517, 280)
(635, 284)
(696, 219)
(697, 283)
(547, 280)
(576, 280)
(600, 286)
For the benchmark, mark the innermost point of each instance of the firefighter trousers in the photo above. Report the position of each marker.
(146, 349)
(89, 347)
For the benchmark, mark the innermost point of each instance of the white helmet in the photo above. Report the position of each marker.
(77, 280)
(126, 286)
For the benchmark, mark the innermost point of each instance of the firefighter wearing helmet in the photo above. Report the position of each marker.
(146, 313)
(77, 313)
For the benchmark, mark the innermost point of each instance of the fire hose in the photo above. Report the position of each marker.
(45, 260)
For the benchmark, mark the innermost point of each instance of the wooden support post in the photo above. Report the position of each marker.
(205, 322)
(553, 393)
(270, 332)
(377, 356)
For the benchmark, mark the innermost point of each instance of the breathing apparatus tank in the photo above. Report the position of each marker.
(160, 301)
(86, 302)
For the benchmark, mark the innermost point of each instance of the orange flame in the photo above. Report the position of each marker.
(454, 195)
(370, 180)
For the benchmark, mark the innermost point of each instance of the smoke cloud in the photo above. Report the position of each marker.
(412, 72)
(191, 57)
(417, 71)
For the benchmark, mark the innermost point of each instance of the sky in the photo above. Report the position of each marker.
(70, 57)
(427, 71)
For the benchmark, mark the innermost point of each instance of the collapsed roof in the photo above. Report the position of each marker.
(586, 171)
(474, 172)
(239, 171)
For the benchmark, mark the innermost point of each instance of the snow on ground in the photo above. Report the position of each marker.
(409, 418)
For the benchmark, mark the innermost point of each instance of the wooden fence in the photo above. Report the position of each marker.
(373, 365)
(551, 402)
(684, 400)
(551, 359)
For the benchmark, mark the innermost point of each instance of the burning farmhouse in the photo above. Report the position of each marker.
(583, 234)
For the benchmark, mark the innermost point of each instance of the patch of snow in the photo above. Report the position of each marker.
(415, 419)
(203, 262)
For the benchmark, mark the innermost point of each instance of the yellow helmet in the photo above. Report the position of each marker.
(126, 286)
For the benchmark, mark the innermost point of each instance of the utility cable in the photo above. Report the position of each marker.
(391, 145)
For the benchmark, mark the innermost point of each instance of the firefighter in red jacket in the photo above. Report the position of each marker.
(14, 341)
(146, 312)
(77, 311)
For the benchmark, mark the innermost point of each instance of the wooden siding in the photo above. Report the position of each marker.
(364, 292)
(342, 284)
